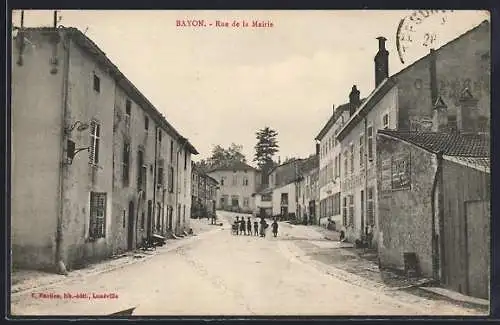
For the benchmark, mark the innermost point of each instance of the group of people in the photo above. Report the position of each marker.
(244, 227)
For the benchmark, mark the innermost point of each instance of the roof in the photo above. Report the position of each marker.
(233, 165)
(366, 106)
(450, 144)
(478, 163)
(309, 164)
(338, 111)
(90, 47)
(387, 84)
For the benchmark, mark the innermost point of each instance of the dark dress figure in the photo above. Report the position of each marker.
(275, 228)
(256, 228)
(249, 227)
(263, 226)
(243, 226)
(237, 223)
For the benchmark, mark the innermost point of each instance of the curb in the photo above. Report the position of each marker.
(133, 261)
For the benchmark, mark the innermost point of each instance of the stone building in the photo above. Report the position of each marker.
(237, 182)
(308, 191)
(452, 81)
(203, 193)
(70, 127)
(434, 203)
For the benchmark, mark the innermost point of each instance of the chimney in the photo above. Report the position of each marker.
(333, 109)
(468, 115)
(354, 100)
(440, 116)
(381, 62)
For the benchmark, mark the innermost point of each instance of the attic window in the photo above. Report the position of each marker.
(97, 83)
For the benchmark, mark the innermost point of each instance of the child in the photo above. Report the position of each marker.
(255, 228)
(243, 226)
(275, 228)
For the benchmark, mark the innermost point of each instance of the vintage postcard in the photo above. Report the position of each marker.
(250, 163)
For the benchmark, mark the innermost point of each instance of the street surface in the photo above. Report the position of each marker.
(218, 273)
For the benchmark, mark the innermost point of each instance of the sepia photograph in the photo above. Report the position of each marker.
(208, 163)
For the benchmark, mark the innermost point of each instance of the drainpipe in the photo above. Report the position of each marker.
(139, 197)
(150, 234)
(62, 167)
(365, 208)
(435, 248)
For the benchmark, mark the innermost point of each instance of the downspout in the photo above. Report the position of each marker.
(150, 234)
(60, 266)
(435, 249)
(365, 208)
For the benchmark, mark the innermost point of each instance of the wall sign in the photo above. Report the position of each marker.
(400, 170)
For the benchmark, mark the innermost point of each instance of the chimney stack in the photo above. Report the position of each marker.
(468, 115)
(440, 116)
(333, 109)
(354, 100)
(381, 62)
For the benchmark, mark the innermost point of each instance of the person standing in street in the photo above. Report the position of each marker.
(263, 226)
(243, 226)
(249, 227)
(237, 223)
(255, 228)
(275, 228)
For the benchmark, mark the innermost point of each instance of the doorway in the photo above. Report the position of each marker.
(477, 215)
(130, 231)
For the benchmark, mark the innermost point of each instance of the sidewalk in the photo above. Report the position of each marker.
(360, 266)
(23, 281)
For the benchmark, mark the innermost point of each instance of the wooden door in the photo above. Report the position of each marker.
(478, 248)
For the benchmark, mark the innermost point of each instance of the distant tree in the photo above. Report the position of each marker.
(222, 157)
(265, 149)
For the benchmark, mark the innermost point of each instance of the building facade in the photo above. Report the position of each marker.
(409, 100)
(308, 191)
(204, 194)
(70, 136)
(434, 202)
(237, 182)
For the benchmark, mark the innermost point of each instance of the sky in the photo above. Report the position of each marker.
(219, 85)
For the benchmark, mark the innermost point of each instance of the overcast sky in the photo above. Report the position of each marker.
(219, 85)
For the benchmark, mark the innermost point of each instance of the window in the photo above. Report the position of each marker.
(235, 200)
(370, 143)
(344, 211)
(246, 202)
(361, 150)
(267, 198)
(346, 169)
(126, 163)
(336, 203)
(159, 136)
(146, 123)
(284, 198)
(352, 158)
(351, 209)
(160, 176)
(370, 215)
(97, 228)
(141, 170)
(128, 112)
(97, 83)
(235, 180)
(245, 181)
(95, 138)
(171, 150)
(385, 121)
(171, 179)
(185, 159)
